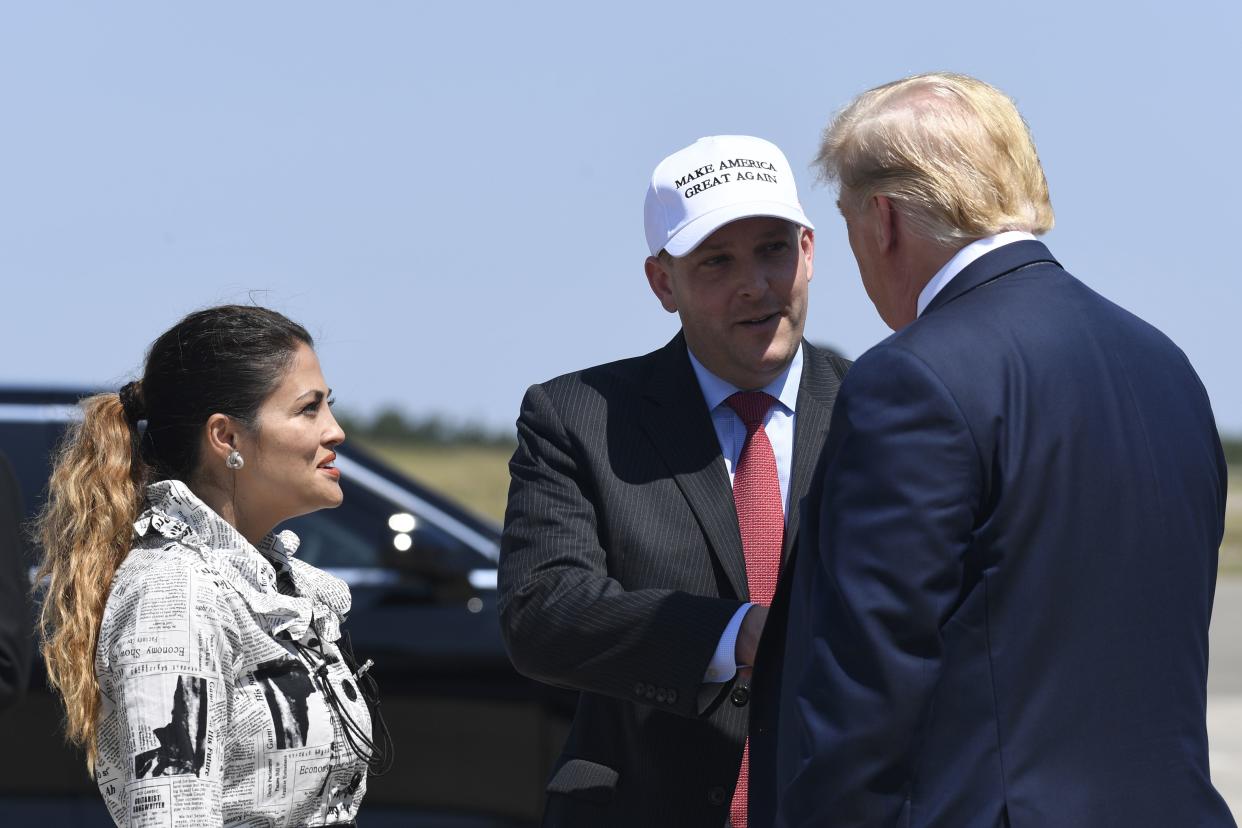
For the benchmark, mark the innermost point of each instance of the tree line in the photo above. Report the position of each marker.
(391, 425)
(1233, 451)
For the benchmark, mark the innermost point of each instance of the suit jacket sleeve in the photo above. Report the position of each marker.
(15, 631)
(900, 488)
(565, 619)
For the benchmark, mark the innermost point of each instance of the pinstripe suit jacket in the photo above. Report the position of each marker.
(620, 566)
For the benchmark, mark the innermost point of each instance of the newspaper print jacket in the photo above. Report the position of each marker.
(214, 682)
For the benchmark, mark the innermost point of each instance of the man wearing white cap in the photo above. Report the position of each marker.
(652, 500)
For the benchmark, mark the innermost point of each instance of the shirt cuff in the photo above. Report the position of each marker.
(723, 665)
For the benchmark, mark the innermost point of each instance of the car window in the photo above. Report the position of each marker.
(29, 446)
(367, 530)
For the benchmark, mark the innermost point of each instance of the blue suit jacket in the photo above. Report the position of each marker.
(998, 615)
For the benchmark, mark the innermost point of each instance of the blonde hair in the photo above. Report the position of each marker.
(950, 150)
(85, 529)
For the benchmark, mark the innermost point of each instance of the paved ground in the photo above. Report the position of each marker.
(1225, 692)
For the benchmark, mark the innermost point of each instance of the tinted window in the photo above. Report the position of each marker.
(363, 532)
(355, 535)
(29, 445)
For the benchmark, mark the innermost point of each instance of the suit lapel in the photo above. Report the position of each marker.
(816, 393)
(676, 419)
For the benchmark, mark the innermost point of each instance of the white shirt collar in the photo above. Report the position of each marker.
(964, 257)
(174, 513)
(784, 387)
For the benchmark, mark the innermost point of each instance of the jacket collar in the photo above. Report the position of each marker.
(677, 420)
(784, 389)
(174, 513)
(816, 395)
(990, 266)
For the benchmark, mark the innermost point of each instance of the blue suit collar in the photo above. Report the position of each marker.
(991, 266)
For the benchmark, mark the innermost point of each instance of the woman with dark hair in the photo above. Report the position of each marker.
(198, 660)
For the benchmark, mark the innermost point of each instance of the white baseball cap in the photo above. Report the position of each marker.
(697, 190)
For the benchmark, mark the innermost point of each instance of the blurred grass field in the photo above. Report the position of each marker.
(1231, 549)
(478, 477)
(475, 476)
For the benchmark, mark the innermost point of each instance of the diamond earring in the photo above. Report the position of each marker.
(234, 461)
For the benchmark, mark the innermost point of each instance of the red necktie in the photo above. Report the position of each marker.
(761, 519)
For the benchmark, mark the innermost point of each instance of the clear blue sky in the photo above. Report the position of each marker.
(450, 195)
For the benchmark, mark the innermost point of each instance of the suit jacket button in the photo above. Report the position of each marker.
(650, 691)
(716, 795)
(672, 696)
(660, 697)
(639, 688)
(740, 696)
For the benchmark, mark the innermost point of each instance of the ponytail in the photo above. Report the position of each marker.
(86, 527)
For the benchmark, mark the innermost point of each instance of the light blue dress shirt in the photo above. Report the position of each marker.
(731, 434)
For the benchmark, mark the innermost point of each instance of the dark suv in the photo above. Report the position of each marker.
(474, 740)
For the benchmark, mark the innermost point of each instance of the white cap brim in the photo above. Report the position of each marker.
(686, 239)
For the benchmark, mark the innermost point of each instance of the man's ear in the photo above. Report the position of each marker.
(221, 434)
(661, 281)
(886, 219)
(806, 242)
